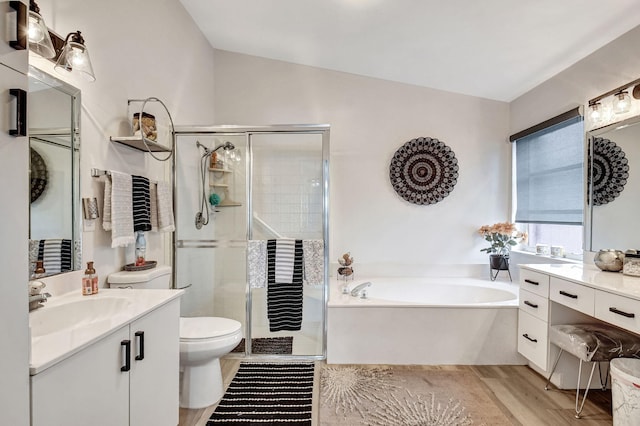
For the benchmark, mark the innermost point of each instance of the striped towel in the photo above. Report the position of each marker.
(121, 210)
(141, 203)
(55, 255)
(284, 299)
(165, 208)
(313, 252)
(106, 209)
(257, 263)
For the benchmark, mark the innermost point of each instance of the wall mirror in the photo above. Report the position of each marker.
(613, 191)
(54, 129)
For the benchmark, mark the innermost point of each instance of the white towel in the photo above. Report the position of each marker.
(165, 208)
(106, 209)
(285, 250)
(121, 210)
(257, 263)
(153, 200)
(313, 265)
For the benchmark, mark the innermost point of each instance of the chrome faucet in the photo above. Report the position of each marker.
(36, 297)
(360, 290)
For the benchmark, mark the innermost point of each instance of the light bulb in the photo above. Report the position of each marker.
(75, 57)
(35, 30)
(621, 103)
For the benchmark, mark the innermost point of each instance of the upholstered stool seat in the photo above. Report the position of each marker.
(592, 343)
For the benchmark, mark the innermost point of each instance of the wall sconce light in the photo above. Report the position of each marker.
(70, 54)
(74, 57)
(621, 102)
(595, 112)
(39, 38)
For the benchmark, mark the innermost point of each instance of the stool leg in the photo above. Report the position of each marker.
(579, 410)
(555, 364)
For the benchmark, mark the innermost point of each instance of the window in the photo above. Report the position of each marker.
(549, 171)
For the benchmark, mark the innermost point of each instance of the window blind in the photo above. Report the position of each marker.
(549, 174)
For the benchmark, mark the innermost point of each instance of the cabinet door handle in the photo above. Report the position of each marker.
(564, 293)
(22, 29)
(624, 314)
(533, 305)
(127, 355)
(532, 282)
(140, 336)
(526, 336)
(21, 112)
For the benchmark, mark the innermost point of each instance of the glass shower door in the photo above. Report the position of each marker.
(286, 201)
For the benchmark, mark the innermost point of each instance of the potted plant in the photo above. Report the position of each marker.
(501, 237)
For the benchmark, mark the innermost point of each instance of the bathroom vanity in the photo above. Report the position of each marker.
(110, 358)
(570, 293)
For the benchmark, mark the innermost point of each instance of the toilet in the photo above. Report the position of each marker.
(203, 340)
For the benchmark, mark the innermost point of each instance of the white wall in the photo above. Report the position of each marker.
(370, 119)
(138, 49)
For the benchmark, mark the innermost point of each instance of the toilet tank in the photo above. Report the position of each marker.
(158, 277)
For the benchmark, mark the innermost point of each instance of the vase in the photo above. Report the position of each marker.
(499, 262)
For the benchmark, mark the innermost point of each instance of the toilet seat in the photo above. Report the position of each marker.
(202, 328)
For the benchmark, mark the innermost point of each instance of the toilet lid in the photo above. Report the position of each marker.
(207, 327)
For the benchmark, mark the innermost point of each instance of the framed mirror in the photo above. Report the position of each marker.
(613, 190)
(54, 215)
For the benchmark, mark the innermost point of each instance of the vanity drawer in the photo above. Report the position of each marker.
(535, 282)
(533, 336)
(618, 310)
(534, 304)
(575, 296)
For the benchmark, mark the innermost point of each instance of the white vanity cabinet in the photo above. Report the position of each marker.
(100, 385)
(571, 294)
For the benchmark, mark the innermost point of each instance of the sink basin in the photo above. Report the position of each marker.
(74, 314)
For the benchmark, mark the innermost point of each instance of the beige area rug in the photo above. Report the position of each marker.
(401, 396)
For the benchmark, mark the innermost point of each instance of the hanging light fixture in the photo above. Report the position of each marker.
(621, 102)
(75, 57)
(39, 38)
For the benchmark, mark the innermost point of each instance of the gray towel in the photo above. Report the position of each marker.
(121, 210)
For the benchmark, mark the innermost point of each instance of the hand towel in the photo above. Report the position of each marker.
(52, 261)
(153, 205)
(141, 203)
(65, 256)
(106, 209)
(284, 300)
(121, 210)
(282, 255)
(257, 263)
(313, 261)
(165, 208)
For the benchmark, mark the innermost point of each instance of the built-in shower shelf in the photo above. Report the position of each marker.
(219, 185)
(229, 205)
(136, 142)
(211, 169)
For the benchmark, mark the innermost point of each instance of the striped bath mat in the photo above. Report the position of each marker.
(267, 394)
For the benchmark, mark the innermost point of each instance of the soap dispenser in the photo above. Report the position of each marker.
(39, 272)
(88, 280)
(141, 248)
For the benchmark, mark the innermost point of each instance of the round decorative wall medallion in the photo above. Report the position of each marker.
(610, 171)
(423, 171)
(39, 175)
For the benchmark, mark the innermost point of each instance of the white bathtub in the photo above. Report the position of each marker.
(428, 321)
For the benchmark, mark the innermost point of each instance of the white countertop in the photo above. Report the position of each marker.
(591, 276)
(52, 347)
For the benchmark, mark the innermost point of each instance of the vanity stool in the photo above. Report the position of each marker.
(594, 343)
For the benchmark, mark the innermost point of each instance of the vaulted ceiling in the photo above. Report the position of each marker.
(495, 49)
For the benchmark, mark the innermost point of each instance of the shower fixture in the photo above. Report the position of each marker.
(202, 217)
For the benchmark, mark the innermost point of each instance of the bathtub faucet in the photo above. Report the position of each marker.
(360, 290)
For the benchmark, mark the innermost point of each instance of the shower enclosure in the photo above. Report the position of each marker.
(234, 184)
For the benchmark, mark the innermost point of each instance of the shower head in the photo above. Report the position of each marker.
(227, 146)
